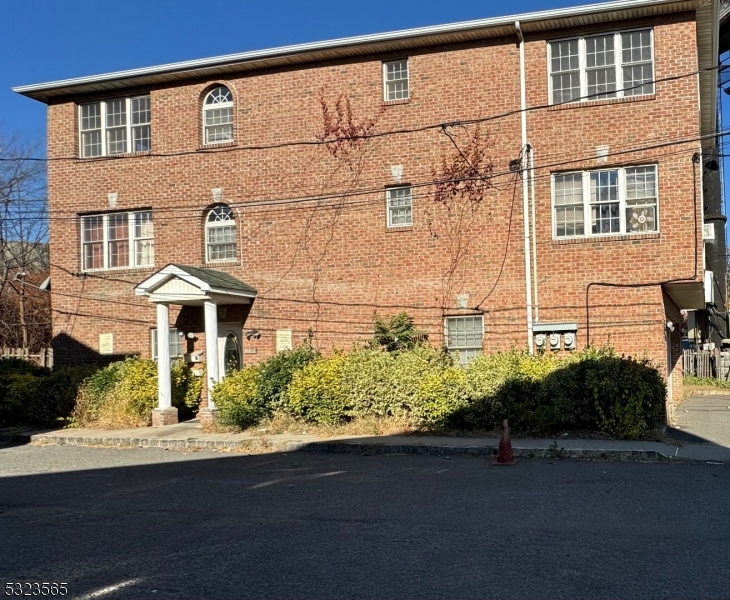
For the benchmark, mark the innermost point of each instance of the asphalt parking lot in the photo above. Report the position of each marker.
(150, 523)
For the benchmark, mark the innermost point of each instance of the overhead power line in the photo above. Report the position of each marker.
(380, 134)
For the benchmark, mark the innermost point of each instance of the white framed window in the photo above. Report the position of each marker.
(464, 336)
(220, 235)
(395, 80)
(613, 65)
(218, 116)
(399, 206)
(177, 343)
(117, 126)
(117, 240)
(605, 202)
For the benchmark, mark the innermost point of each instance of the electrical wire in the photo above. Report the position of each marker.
(401, 131)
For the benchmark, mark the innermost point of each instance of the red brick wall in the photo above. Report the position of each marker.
(327, 265)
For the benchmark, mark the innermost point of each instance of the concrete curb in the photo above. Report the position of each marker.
(482, 451)
(488, 450)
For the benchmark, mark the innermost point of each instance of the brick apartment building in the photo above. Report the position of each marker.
(532, 180)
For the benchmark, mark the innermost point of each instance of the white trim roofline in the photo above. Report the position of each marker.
(153, 282)
(344, 47)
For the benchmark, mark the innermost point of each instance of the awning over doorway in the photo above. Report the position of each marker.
(192, 286)
(189, 286)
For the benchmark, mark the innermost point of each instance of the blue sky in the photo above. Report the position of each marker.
(46, 40)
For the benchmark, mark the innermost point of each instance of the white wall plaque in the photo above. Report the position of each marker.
(106, 343)
(283, 340)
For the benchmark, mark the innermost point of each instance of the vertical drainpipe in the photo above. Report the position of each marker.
(525, 188)
(534, 232)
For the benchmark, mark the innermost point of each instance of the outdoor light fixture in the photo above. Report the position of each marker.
(253, 334)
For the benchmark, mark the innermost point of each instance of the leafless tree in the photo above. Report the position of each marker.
(24, 310)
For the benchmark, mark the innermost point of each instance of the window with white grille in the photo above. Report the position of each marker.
(614, 65)
(117, 240)
(220, 235)
(395, 79)
(464, 336)
(177, 342)
(605, 202)
(400, 207)
(218, 116)
(111, 127)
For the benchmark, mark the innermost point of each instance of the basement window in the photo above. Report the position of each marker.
(464, 336)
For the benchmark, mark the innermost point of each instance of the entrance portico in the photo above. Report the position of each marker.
(192, 286)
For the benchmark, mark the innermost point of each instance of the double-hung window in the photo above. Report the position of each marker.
(220, 235)
(117, 240)
(176, 344)
(614, 65)
(400, 206)
(464, 337)
(395, 80)
(605, 202)
(218, 116)
(115, 126)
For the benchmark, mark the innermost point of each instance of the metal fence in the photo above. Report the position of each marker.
(44, 358)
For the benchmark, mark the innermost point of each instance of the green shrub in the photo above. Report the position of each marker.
(397, 333)
(277, 372)
(237, 398)
(124, 394)
(315, 393)
(36, 396)
(186, 390)
(629, 395)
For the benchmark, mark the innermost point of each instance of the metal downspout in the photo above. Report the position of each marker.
(534, 232)
(525, 189)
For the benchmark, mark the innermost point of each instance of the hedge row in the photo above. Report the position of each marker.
(594, 389)
(124, 394)
(36, 396)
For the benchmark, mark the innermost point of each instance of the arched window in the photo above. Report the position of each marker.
(218, 116)
(220, 234)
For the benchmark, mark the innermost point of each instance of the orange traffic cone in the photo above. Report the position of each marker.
(504, 454)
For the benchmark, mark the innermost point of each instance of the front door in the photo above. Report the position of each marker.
(229, 348)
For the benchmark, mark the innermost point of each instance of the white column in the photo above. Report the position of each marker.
(211, 347)
(164, 387)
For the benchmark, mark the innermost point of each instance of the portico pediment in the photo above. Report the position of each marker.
(192, 286)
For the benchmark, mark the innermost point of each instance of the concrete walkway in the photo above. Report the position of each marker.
(189, 435)
(704, 420)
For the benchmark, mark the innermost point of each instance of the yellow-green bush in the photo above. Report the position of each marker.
(124, 394)
(237, 398)
(441, 395)
(376, 382)
(367, 378)
(315, 393)
(542, 393)
(593, 389)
